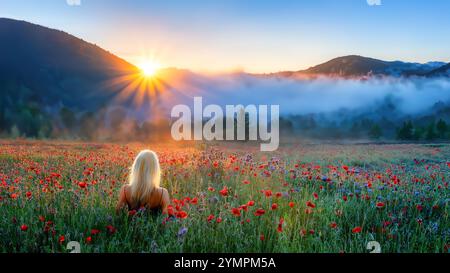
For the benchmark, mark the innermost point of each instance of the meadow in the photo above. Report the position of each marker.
(301, 198)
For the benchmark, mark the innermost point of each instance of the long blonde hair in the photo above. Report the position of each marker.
(145, 175)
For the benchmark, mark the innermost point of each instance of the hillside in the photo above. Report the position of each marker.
(51, 66)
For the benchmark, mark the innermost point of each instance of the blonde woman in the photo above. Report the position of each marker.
(143, 190)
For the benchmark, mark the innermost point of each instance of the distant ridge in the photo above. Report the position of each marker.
(359, 66)
(441, 71)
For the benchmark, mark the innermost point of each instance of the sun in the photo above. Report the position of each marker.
(149, 68)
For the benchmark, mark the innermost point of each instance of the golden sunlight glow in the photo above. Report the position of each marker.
(147, 85)
(149, 68)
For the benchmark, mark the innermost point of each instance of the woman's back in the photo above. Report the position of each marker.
(143, 189)
(158, 199)
(153, 201)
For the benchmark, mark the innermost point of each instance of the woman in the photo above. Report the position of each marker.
(143, 189)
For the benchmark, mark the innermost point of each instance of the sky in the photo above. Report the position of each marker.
(249, 35)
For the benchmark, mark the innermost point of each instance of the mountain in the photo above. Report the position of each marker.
(50, 67)
(359, 66)
(349, 66)
(441, 71)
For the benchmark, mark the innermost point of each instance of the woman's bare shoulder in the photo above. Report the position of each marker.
(164, 192)
(125, 189)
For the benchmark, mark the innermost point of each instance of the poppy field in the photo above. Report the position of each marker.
(302, 198)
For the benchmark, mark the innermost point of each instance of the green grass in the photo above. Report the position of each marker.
(51, 174)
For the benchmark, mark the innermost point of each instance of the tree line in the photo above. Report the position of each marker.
(31, 121)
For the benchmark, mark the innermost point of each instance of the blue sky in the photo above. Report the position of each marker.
(252, 35)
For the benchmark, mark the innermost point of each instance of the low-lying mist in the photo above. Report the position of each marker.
(312, 96)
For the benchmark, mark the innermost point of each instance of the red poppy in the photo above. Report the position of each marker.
(345, 168)
(14, 195)
(333, 225)
(356, 230)
(41, 218)
(344, 198)
(219, 219)
(419, 207)
(259, 212)
(316, 196)
(111, 229)
(224, 191)
(380, 205)
(251, 203)
(95, 231)
(24, 227)
(278, 194)
(89, 239)
(182, 214)
(82, 185)
(261, 237)
(194, 201)
(291, 204)
(310, 204)
(28, 194)
(236, 211)
(132, 212)
(211, 189)
(280, 225)
(274, 206)
(246, 182)
(244, 207)
(61, 239)
(302, 232)
(210, 218)
(268, 193)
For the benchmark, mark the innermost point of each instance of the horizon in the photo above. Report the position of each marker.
(273, 45)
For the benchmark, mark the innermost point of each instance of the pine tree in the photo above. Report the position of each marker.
(431, 132)
(375, 131)
(442, 128)
(406, 132)
(418, 133)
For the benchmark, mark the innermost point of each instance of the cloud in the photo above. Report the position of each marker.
(306, 96)
(374, 2)
(73, 2)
